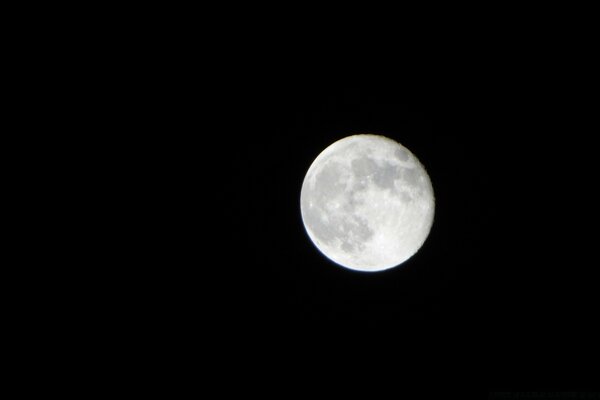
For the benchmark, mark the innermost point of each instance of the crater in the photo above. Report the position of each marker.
(366, 168)
(347, 247)
(328, 183)
(386, 175)
(363, 167)
(411, 176)
(405, 197)
(401, 154)
(350, 230)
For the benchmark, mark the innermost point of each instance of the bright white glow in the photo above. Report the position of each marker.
(367, 203)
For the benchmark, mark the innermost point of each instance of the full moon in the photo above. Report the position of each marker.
(367, 203)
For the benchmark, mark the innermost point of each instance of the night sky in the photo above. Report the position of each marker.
(501, 285)
(205, 129)
(502, 294)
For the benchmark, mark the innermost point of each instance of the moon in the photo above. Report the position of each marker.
(367, 203)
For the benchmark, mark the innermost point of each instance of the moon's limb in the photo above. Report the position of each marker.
(367, 203)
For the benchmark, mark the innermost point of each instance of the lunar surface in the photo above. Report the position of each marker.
(367, 203)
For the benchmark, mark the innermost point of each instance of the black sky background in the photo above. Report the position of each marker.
(203, 125)
(501, 296)
(501, 287)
